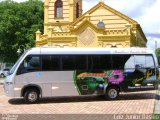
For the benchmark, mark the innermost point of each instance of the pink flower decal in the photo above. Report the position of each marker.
(117, 77)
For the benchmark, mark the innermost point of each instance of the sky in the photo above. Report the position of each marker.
(145, 12)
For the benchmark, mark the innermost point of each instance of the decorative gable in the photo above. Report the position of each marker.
(86, 23)
(101, 12)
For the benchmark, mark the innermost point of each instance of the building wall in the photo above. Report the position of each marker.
(140, 40)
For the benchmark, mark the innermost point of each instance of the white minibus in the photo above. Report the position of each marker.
(49, 72)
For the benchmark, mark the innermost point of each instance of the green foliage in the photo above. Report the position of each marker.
(18, 24)
(158, 54)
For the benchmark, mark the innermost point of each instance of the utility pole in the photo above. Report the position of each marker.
(155, 45)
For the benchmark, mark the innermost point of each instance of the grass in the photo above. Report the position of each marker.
(156, 117)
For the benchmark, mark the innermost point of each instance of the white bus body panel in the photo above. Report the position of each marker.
(56, 83)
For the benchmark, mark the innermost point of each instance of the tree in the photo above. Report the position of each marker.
(18, 24)
(158, 54)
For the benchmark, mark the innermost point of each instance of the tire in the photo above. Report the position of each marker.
(112, 93)
(31, 96)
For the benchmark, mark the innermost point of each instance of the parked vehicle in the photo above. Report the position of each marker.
(4, 72)
(48, 72)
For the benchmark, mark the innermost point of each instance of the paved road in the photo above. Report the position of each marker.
(128, 103)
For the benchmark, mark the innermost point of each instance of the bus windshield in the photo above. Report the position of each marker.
(15, 65)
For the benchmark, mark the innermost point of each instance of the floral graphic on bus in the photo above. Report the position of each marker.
(96, 82)
(115, 76)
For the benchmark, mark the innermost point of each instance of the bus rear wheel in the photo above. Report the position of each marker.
(112, 93)
(31, 96)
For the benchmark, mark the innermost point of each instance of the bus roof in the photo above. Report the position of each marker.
(53, 50)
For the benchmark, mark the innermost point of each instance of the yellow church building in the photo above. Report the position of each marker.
(65, 25)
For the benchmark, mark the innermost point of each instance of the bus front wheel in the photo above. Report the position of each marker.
(31, 96)
(112, 93)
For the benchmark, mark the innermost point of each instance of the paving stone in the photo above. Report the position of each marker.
(128, 103)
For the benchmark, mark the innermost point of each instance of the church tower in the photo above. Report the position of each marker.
(61, 12)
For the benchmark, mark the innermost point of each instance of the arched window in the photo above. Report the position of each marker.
(58, 9)
(77, 10)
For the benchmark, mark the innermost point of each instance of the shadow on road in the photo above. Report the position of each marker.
(128, 96)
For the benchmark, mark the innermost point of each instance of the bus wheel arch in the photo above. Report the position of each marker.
(112, 92)
(31, 93)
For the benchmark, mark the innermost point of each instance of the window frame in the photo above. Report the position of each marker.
(58, 4)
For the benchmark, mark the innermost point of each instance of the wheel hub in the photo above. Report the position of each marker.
(32, 96)
(112, 93)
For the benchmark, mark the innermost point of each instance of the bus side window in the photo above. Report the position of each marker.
(140, 61)
(30, 64)
(129, 66)
(106, 62)
(74, 62)
(50, 63)
(46, 63)
(149, 62)
(68, 62)
(81, 62)
(100, 62)
(119, 61)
